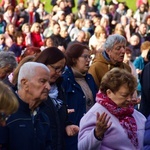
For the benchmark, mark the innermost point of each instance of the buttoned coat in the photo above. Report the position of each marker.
(76, 100)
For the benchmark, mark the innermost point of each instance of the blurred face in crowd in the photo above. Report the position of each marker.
(4, 72)
(56, 70)
(142, 29)
(49, 42)
(134, 40)
(11, 29)
(56, 29)
(31, 7)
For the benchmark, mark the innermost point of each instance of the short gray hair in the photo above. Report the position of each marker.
(8, 59)
(28, 71)
(113, 40)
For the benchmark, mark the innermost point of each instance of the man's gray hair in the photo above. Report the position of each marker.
(114, 39)
(8, 58)
(28, 71)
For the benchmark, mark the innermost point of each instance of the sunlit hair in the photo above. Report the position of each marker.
(24, 26)
(117, 77)
(79, 23)
(99, 30)
(34, 26)
(29, 70)
(112, 40)
(8, 26)
(145, 46)
(8, 101)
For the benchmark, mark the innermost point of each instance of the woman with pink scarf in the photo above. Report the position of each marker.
(113, 123)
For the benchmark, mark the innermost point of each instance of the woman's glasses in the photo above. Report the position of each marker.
(86, 57)
(57, 69)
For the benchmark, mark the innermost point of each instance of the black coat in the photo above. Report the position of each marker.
(58, 119)
(145, 91)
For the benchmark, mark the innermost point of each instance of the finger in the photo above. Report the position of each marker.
(107, 120)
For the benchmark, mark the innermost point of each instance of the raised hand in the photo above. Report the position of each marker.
(101, 125)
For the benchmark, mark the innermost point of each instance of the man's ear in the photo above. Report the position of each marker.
(24, 83)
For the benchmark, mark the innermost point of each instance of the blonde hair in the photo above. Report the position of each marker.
(25, 25)
(8, 101)
(33, 26)
(98, 30)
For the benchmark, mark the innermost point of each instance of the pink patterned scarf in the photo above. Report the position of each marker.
(124, 116)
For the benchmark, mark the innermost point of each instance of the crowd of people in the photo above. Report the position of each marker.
(74, 80)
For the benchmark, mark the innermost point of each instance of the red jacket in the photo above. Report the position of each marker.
(36, 39)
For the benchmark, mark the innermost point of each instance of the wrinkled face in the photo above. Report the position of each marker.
(82, 63)
(116, 54)
(56, 70)
(122, 97)
(38, 87)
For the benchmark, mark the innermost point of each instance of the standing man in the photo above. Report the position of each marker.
(29, 128)
(112, 56)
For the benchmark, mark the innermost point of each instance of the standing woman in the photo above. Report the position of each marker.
(55, 106)
(79, 86)
(113, 123)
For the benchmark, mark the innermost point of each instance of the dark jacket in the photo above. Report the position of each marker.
(145, 91)
(147, 135)
(76, 100)
(25, 131)
(58, 119)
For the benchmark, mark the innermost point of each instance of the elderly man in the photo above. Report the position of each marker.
(28, 128)
(112, 56)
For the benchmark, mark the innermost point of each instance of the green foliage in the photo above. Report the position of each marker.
(130, 3)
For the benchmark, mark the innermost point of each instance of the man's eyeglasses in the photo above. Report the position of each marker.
(57, 69)
(86, 57)
(3, 116)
